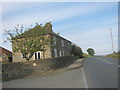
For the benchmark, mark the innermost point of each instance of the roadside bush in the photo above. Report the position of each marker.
(76, 51)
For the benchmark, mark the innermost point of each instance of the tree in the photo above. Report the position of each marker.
(76, 51)
(91, 51)
(79, 52)
(28, 42)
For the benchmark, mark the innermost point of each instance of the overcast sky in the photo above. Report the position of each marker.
(85, 23)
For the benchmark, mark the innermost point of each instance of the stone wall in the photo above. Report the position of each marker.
(4, 58)
(21, 69)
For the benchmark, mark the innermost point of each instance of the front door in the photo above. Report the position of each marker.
(37, 55)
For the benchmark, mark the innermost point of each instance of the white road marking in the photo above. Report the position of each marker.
(85, 82)
(108, 62)
(111, 63)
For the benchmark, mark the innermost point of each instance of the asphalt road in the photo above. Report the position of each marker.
(101, 72)
(98, 72)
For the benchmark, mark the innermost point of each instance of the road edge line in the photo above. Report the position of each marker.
(85, 82)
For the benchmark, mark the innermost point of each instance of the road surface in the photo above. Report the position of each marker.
(98, 72)
(101, 72)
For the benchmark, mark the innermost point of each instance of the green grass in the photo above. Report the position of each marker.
(114, 55)
(86, 55)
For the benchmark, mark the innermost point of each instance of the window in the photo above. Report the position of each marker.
(62, 42)
(60, 53)
(24, 55)
(54, 40)
(68, 45)
(55, 52)
(63, 52)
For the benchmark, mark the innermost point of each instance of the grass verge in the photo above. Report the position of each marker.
(86, 55)
(114, 55)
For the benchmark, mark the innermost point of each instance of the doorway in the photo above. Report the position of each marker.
(37, 55)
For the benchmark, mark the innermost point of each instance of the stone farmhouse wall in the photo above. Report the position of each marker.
(18, 57)
(61, 45)
(21, 69)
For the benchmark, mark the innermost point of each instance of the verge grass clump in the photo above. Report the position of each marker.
(114, 55)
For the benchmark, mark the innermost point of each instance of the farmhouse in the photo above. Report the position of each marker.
(60, 46)
(5, 55)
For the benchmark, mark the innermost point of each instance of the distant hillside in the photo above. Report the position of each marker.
(114, 55)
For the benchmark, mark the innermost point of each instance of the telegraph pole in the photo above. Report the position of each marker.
(112, 40)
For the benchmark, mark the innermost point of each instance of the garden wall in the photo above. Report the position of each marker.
(21, 69)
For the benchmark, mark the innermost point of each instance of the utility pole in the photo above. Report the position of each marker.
(112, 40)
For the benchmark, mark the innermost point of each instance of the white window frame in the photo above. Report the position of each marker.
(60, 53)
(63, 52)
(62, 41)
(54, 39)
(23, 56)
(55, 52)
(37, 55)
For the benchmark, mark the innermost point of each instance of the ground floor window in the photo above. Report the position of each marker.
(24, 55)
(63, 52)
(60, 53)
(55, 52)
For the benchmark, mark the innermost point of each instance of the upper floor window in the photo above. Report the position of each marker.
(62, 42)
(54, 40)
(68, 44)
